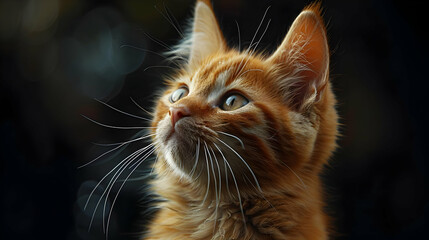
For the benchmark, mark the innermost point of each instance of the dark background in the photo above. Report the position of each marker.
(57, 56)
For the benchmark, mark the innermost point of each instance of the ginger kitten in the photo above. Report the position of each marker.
(241, 137)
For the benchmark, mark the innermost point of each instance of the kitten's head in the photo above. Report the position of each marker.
(234, 120)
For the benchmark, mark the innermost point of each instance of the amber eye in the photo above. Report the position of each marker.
(178, 94)
(233, 101)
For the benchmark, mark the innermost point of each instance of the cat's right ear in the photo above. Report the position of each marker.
(302, 60)
(205, 38)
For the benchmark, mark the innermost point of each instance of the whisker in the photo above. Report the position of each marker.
(235, 182)
(257, 30)
(111, 150)
(167, 17)
(226, 178)
(259, 26)
(143, 50)
(249, 70)
(175, 20)
(215, 184)
(114, 127)
(121, 166)
(233, 136)
(169, 20)
(247, 165)
(218, 169)
(140, 161)
(158, 66)
(146, 111)
(156, 160)
(159, 42)
(239, 36)
(150, 145)
(300, 179)
(115, 178)
(197, 155)
(256, 45)
(120, 143)
(220, 186)
(260, 38)
(208, 175)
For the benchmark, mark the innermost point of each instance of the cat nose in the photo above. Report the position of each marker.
(178, 112)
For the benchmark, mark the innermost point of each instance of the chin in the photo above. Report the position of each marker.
(178, 145)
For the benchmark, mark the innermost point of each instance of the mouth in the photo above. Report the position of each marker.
(170, 134)
(180, 142)
(179, 132)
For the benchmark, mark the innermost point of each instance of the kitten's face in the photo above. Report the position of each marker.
(226, 121)
(244, 121)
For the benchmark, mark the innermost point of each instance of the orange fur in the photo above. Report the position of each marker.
(250, 173)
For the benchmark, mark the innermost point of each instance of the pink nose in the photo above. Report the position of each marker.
(178, 112)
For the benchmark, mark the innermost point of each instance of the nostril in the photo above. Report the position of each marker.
(178, 112)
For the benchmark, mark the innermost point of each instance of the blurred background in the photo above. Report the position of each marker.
(58, 57)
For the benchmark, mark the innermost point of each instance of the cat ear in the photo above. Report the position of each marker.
(302, 60)
(206, 37)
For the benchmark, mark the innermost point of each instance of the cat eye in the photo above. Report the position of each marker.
(178, 94)
(233, 101)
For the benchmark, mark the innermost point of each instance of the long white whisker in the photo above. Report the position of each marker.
(197, 155)
(138, 105)
(175, 20)
(116, 178)
(149, 51)
(156, 161)
(226, 178)
(169, 20)
(247, 165)
(259, 26)
(211, 162)
(105, 176)
(122, 143)
(256, 45)
(235, 182)
(215, 185)
(161, 43)
(299, 178)
(120, 111)
(251, 42)
(249, 70)
(113, 149)
(218, 169)
(157, 66)
(233, 136)
(220, 185)
(121, 165)
(208, 175)
(114, 127)
(262, 35)
(140, 161)
(150, 145)
(239, 36)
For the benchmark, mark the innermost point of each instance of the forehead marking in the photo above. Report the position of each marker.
(219, 86)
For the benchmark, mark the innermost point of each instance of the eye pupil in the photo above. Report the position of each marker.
(178, 94)
(233, 101)
(230, 101)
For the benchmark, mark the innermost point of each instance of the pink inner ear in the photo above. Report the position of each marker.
(304, 52)
(310, 42)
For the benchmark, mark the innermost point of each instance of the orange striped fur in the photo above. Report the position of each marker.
(252, 172)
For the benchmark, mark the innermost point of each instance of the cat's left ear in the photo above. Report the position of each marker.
(206, 37)
(302, 60)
